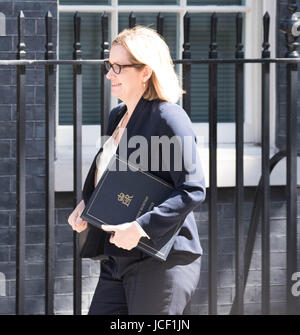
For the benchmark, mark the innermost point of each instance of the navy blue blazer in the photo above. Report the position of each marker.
(160, 118)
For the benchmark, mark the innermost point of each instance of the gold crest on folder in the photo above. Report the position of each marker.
(125, 198)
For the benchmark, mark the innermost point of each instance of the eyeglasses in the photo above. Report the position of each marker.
(118, 67)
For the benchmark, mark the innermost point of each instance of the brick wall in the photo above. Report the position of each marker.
(64, 261)
(90, 269)
(226, 254)
(34, 12)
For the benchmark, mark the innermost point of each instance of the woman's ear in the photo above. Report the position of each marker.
(147, 73)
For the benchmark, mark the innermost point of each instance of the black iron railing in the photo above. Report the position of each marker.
(243, 251)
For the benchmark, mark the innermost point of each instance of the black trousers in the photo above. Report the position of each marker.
(146, 286)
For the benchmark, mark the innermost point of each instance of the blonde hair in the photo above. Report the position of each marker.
(147, 47)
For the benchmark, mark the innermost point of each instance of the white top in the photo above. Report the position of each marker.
(109, 149)
(102, 160)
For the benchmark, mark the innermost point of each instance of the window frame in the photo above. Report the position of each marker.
(254, 11)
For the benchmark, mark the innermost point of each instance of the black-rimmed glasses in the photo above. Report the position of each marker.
(118, 67)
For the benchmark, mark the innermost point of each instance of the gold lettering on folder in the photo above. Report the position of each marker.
(142, 207)
(150, 207)
(125, 198)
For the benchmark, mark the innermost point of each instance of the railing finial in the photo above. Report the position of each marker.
(213, 53)
(49, 42)
(239, 52)
(160, 23)
(105, 44)
(132, 20)
(186, 54)
(21, 45)
(266, 45)
(77, 45)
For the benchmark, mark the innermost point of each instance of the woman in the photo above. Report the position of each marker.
(131, 282)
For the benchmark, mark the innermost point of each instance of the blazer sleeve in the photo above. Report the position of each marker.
(187, 178)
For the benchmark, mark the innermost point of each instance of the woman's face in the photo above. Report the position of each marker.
(128, 85)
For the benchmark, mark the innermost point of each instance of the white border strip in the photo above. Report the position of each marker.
(154, 8)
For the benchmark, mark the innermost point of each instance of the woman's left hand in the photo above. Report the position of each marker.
(126, 235)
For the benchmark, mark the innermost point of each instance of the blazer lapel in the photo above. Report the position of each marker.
(139, 109)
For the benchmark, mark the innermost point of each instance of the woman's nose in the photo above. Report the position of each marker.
(109, 74)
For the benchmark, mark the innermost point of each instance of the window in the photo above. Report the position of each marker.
(91, 49)
(173, 12)
(200, 40)
(91, 42)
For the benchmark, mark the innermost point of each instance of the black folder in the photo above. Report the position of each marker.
(125, 192)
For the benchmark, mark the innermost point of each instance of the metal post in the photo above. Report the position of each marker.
(213, 108)
(21, 171)
(239, 201)
(265, 168)
(77, 136)
(290, 28)
(186, 68)
(105, 86)
(50, 156)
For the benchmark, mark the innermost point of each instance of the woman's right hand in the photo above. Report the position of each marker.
(75, 220)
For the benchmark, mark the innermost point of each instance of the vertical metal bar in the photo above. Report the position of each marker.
(50, 156)
(239, 201)
(186, 68)
(291, 229)
(105, 86)
(213, 107)
(292, 107)
(21, 171)
(186, 84)
(288, 27)
(132, 20)
(160, 24)
(77, 137)
(265, 168)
